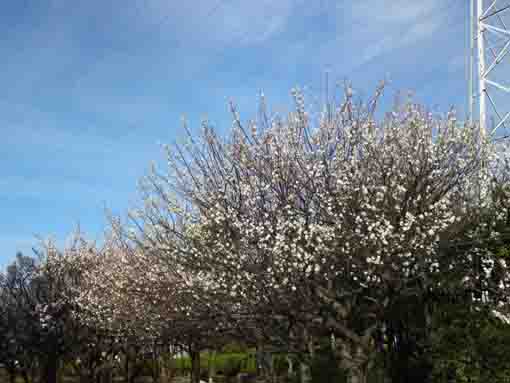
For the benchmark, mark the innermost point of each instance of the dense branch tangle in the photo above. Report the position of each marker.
(318, 225)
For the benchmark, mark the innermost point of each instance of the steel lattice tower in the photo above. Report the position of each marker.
(489, 66)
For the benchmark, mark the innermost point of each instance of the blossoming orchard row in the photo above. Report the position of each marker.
(288, 231)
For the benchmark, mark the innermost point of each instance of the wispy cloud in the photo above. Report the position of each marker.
(386, 26)
(396, 38)
(393, 12)
(93, 86)
(237, 22)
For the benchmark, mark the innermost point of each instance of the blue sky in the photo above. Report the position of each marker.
(91, 88)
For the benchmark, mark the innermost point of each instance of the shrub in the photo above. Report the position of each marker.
(228, 364)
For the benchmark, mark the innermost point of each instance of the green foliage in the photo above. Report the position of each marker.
(182, 363)
(504, 253)
(471, 347)
(233, 363)
(234, 347)
(228, 364)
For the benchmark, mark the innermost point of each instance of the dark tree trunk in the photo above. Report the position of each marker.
(359, 376)
(129, 368)
(50, 369)
(211, 370)
(156, 369)
(34, 372)
(24, 374)
(304, 373)
(195, 366)
(126, 366)
(104, 375)
(135, 372)
(264, 363)
(12, 375)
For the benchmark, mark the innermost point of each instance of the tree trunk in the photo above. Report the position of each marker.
(195, 366)
(12, 376)
(156, 368)
(358, 375)
(24, 374)
(50, 369)
(166, 371)
(135, 372)
(304, 373)
(130, 366)
(356, 358)
(91, 375)
(290, 370)
(258, 360)
(109, 375)
(126, 365)
(34, 372)
(264, 363)
(212, 366)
